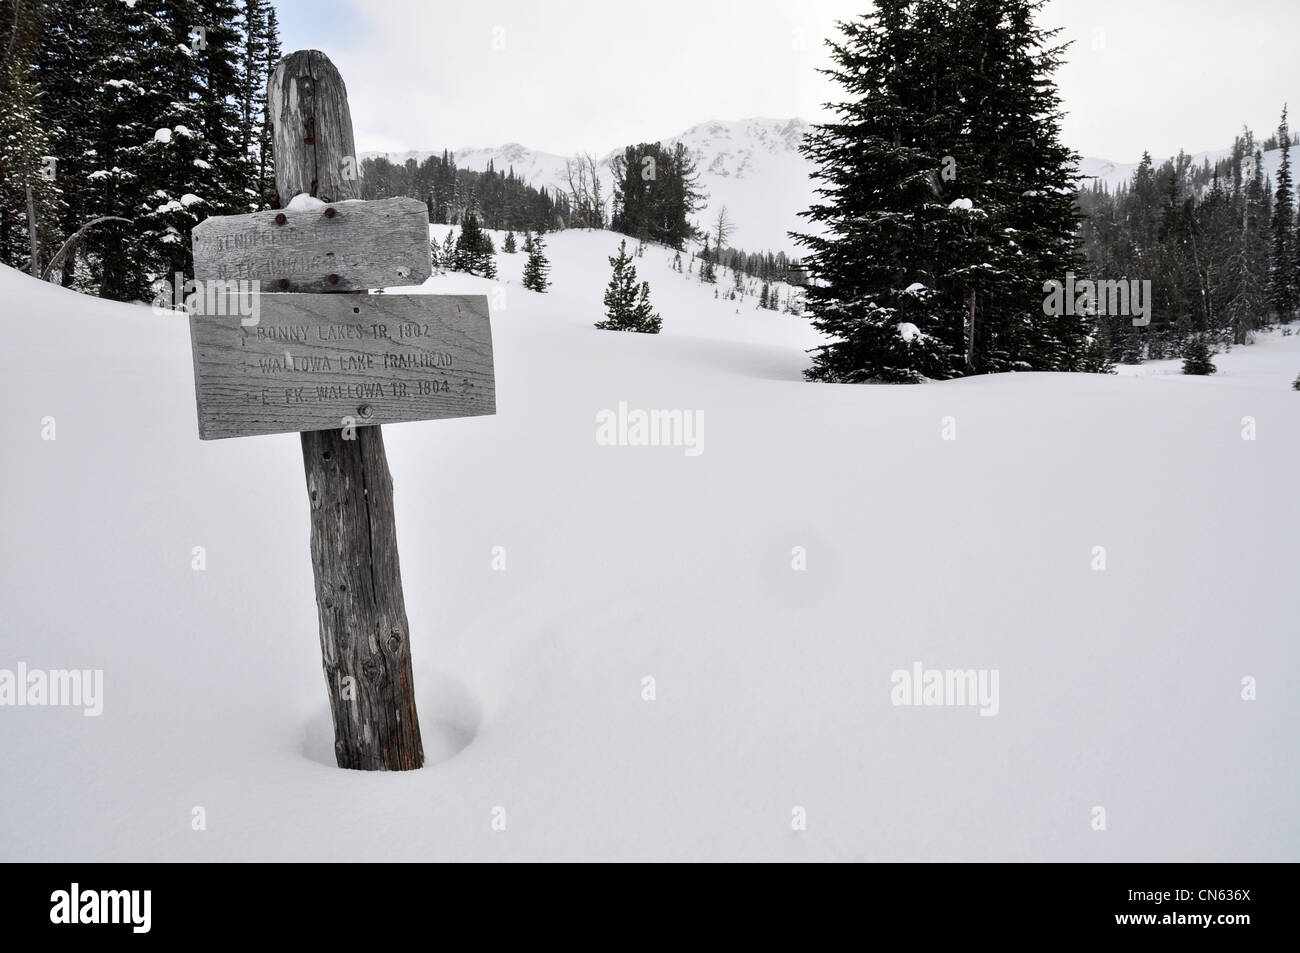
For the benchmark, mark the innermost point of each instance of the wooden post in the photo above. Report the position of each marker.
(365, 640)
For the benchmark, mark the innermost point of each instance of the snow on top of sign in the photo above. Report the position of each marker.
(302, 202)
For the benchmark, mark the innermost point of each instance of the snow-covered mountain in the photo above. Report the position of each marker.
(753, 167)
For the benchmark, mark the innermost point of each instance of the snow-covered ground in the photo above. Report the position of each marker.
(1118, 689)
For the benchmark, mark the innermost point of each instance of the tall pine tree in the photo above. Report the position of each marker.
(627, 303)
(1282, 271)
(946, 200)
(538, 267)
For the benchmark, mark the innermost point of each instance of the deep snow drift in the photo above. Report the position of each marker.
(1118, 688)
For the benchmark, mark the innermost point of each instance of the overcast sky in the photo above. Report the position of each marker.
(570, 75)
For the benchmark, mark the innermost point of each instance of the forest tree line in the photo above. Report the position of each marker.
(133, 122)
(1218, 242)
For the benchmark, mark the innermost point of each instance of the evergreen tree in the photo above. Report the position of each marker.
(76, 39)
(876, 216)
(173, 157)
(947, 197)
(509, 246)
(474, 249)
(644, 318)
(448, 256)
(538, 267)
(655, 191)
(1247, 305)
(627, 304)
(252, 95)
(266, 156)
(1282, 290)
(30, 209)
(1096, 357)
(150, 116)
(218, 48)
(1196, 357)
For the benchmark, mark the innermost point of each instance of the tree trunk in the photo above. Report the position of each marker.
(31, 234)
(970, 337)
(365, 641)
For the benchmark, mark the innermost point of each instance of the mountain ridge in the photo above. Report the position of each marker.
(752, 166)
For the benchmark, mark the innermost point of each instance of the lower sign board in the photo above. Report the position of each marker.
(322, 361)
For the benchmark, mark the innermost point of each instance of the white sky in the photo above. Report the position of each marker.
(570, 75)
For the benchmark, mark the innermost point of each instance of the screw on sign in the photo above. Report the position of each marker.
(333, 366)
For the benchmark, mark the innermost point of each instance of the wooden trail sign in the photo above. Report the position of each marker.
(347, 246)
(316, 362)
(333, 366)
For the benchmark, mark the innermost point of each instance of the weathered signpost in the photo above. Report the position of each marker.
(334, 366)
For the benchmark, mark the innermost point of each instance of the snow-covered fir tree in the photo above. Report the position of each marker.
(946, 197)
(1282, 288)
(627, 303)
(152, 115)
(474, 251)
(1196, 357)
(538, 266)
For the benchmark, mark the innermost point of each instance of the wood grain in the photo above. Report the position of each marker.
(321, 362)
(364, 636)
(311, 130)
(346, 246)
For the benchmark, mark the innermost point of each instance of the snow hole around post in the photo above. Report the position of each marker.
(449, 720)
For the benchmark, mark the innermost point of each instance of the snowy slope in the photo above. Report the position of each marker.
(1118, 688)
